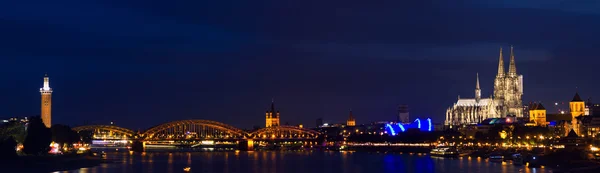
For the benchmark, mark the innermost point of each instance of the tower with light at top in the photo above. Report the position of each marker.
(46, 92)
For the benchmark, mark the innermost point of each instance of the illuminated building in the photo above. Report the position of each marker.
(508, 90)
(272, 116)
(592, 126)
(594, 109)
(588, 107)
(472, 110)
(537, 114)
(395, 128)
(403, 116)
(46, 92)
(526, 111)
(577, 108)
(22, 120)
(350, 122)
(572, 140)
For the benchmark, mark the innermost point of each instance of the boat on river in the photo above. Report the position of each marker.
(445, 152)
(496, 157)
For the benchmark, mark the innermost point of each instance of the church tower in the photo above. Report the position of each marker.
(577, 107)
(537, 114)
(350, 122)
(477, 90)
(499, 81)
(46, 92)
(513, 89)
(508, 87)
(403, 114)
(272, 116)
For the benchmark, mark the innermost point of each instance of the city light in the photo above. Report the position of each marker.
(429, 122)
(404, 127)
(391, 129)
(401, 127)
(419, 121)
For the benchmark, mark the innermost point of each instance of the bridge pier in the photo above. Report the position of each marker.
(246, 145)
(138, 146)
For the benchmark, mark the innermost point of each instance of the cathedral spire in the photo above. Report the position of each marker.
(273, 105)
(500, 65)
(477, 89)
(477, 85)
(512, 69)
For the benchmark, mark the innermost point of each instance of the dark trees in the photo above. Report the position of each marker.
(63, 134)
(38, 137)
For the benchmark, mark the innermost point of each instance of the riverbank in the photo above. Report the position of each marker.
(49, 163)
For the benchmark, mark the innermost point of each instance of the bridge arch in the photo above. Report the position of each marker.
(284, 132)
(117, 129)
(193, 129)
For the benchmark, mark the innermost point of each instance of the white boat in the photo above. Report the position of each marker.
(444, 152)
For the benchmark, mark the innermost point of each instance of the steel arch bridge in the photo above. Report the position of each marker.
(111, 128)
(283, 132)
(193, 129)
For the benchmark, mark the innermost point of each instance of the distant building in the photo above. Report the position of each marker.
(537, 114)
(472, 110)
(272, 116)
(507, 98)
(46, 92)
(14, 120)
(403, 115)
(572, 140)
(588, 107)
(559, 123)
(592, 109)
(319, 122)
(438, 127)
(595, 110)
(350, 122)
(590, 125)
(577, 108)
(526, 110)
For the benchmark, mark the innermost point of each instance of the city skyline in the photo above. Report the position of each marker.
(224, 66)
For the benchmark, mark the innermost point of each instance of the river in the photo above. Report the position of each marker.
(295, 162)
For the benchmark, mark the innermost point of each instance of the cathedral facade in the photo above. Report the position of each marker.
(506, 100)
(272, 116)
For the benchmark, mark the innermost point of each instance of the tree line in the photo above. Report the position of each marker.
(34, 136)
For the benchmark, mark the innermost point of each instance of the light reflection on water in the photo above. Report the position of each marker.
(295, 162)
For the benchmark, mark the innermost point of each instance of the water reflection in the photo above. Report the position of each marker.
(296, 162)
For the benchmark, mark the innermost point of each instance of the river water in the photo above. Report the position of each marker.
(295, 162)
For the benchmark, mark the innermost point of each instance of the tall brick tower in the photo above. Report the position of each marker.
(46, 92)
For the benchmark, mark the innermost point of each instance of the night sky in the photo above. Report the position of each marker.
(142, 62)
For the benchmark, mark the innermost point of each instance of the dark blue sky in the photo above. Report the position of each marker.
(140, 63)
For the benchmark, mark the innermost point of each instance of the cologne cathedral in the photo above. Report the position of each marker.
(508, 89)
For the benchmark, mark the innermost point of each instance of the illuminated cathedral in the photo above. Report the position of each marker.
(272, 116)
(506, 100)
